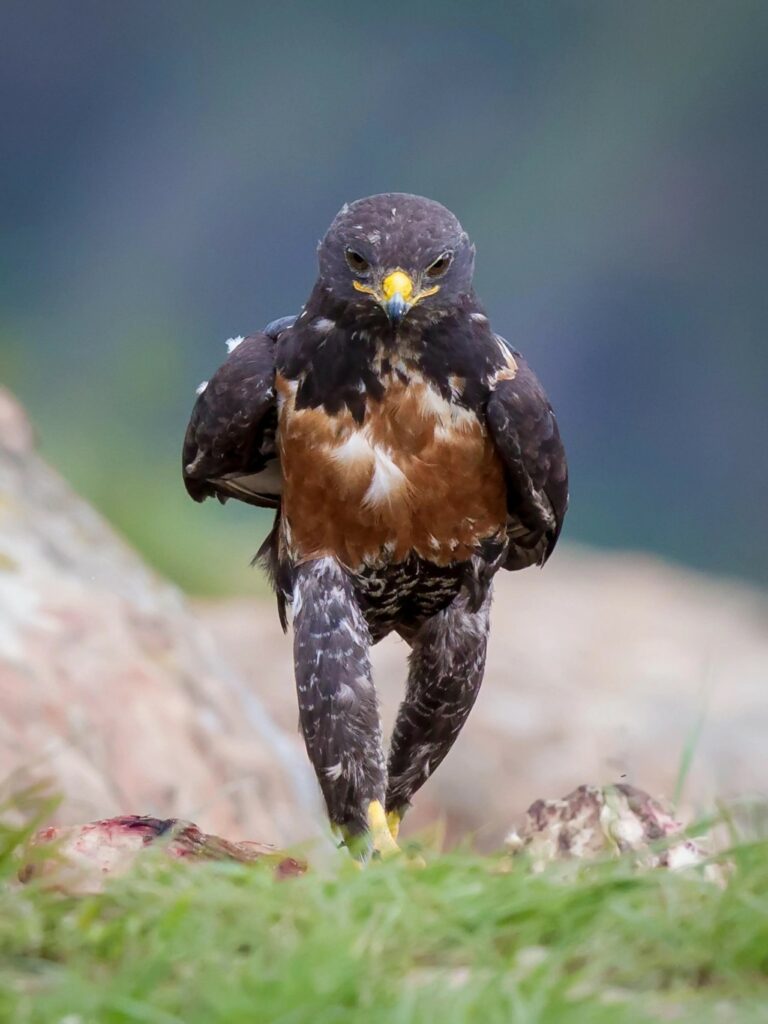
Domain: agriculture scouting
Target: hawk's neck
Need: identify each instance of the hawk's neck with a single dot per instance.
(340, 359)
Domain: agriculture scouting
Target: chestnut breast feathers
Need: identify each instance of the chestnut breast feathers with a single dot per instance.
(418, 474)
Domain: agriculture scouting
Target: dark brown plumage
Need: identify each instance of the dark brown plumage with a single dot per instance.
(410, 453)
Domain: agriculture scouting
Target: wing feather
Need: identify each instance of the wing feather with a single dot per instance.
(524, 430)
(229, 448)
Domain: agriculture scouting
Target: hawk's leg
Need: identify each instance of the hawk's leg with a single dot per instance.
(338, 709)
(446, 668)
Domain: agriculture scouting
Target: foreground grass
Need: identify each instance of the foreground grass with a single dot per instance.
(460, 940)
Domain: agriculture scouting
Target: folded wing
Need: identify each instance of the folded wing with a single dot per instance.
(524, 430)
(230, 448)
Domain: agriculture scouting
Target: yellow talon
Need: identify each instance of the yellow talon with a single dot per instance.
(378, 823)
(393, 821)
(379, 839)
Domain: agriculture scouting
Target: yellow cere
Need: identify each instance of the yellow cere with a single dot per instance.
(397, 283)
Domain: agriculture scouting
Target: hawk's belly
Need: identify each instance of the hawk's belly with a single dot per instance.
(420, 475)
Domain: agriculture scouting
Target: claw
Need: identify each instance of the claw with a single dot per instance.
(384, 844)
(393, 821)
(377, 840)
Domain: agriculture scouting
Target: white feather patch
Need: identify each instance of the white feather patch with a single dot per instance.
(450, 416)
(509, 370)
(232, 343)
(355, 449)
(201, 387)
(387, 482)
(433, 405)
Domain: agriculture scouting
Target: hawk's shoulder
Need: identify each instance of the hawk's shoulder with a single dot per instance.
(229, 447)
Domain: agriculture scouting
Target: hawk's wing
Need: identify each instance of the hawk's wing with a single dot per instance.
(524, 430)
(230, 448)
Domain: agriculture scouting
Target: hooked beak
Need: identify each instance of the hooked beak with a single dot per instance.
(396, 308)
(397, 292)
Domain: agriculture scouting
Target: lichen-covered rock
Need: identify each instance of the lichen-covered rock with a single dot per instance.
(85, 855)
(599, 821)
(110, 686)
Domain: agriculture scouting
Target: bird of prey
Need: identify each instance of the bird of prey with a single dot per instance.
(410, 453)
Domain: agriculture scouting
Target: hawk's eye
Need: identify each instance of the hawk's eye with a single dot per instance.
(357, 263)
(440, 265)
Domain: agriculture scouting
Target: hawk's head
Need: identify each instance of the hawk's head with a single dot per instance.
(397, 252)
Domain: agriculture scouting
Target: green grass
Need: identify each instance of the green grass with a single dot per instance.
(459, 940)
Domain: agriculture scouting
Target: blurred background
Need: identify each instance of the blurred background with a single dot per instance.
(168, 169)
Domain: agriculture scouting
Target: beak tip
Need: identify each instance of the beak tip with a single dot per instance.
(396, 308)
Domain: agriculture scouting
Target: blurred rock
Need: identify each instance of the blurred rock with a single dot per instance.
(83, 856)
(16, 433)
(110, 687)
(601, 821)
(601, 666)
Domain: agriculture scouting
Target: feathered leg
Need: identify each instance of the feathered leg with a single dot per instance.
(338, 709)
(445, 672)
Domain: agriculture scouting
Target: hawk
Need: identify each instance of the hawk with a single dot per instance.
(410, 453)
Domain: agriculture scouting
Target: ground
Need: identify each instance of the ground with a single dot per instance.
(464, 938)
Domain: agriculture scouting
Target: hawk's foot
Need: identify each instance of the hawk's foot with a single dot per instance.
(385, 825)
(375, 841)
(394, 818)
(382, 838)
